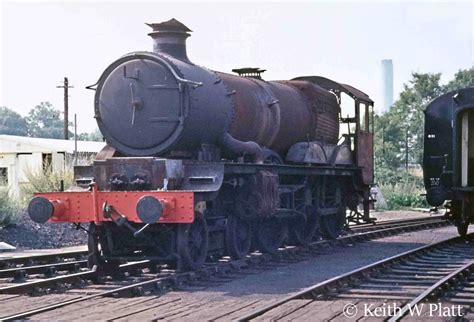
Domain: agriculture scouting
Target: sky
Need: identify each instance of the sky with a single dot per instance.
(42, 42)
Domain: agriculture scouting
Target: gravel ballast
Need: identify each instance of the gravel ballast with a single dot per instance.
(26, 234)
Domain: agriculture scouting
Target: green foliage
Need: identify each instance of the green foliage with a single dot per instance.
(45, 180)
(462, 79)
(8, 209)
(402, 190)
(402, 126)
(92, 136)
(44, 121)
(404, 194)
(12, 123)
(387, 175)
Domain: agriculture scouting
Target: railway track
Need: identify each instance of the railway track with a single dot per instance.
(45, 271)
(78, 257)
(142, 280)
(431, 282)
(391, 223)
(38, 259)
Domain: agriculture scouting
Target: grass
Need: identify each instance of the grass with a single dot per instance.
(45, 181)
(402, 190)
(9, 208)
(403, 195)
(48, 180)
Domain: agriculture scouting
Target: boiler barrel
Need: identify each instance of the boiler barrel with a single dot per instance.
(159, 103)
(279, 114)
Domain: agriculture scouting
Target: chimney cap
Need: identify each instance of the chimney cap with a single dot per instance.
(171, 25)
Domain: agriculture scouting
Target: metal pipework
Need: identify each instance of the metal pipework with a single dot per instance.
(149, 210)
(120, 220)
(241, 148)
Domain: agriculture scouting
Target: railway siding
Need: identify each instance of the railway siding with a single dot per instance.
(212, 278)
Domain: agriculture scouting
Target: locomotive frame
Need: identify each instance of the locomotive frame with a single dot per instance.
(182, 206)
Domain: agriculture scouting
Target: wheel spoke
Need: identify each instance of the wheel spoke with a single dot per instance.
(192, 243)
(238, 237)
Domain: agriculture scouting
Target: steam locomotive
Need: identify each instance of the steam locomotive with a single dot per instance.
(448, 160)
(200, 163)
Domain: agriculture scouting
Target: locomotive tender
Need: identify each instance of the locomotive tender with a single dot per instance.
(448, 160)
(200, 163)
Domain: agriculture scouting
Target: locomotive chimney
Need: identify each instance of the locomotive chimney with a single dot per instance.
(169, 38)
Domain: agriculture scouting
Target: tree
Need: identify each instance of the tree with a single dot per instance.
(44, 121)
(92, 136)
(403, 124)
(463, 78)
(12, 123)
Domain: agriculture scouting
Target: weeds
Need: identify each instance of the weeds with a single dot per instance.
(46, 180)
(405, 194)
(9, 209)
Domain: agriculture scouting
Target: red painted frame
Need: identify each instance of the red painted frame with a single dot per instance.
(86, 206)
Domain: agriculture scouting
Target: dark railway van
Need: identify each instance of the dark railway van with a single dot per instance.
(448, 162)
(201, 164)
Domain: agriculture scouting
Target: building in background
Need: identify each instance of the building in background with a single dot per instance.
(387, 85)
(19, 154)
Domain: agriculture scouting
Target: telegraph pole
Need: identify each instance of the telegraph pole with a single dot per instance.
(383, 141)
(66, 106)
(406, 149)
(75, 139)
